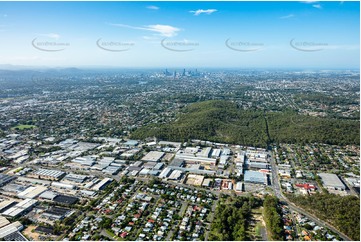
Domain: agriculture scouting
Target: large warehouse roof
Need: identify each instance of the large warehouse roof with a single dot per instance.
(154, 156)
(254, 176)
(10, 228)
(32, 192)
(331, 180)
(3, 221)
(50, 173)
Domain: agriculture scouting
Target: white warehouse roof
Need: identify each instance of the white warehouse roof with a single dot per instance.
(154, 156)
(331, 180)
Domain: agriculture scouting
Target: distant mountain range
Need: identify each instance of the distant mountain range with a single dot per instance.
(8, 67)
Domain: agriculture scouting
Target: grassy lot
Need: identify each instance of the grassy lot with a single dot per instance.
(23, 126)
(111, 234)
(256, 227)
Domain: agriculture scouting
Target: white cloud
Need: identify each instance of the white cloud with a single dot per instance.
(162, 30)
(153, 7)
(51, 35)
(317, 6)
(152, 39)
(313, 4)
(200, 11)
(149, 38)
(287, 16)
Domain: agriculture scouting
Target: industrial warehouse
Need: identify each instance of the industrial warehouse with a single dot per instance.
(331, 181)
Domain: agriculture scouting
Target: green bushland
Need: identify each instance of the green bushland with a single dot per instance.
(272, 217)
(232, 218)
(341, 211)
(225, 121)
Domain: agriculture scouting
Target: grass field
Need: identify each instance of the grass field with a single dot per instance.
(23, 126)
(111, 234)
(257, 230)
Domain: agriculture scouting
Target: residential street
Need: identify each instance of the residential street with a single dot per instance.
(292, 206)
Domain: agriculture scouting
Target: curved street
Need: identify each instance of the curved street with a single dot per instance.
(278, 192)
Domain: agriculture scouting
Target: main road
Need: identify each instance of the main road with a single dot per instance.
(278, 192)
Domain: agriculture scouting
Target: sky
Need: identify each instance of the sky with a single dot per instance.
(310, 34)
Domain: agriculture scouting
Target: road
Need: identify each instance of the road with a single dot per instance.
(278, 192)
(181, 214)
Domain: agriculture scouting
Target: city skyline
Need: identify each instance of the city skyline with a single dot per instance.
(310, 34)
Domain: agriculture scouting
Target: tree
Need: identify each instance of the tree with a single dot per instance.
(342, 211)
(105, 223)
(231, 218)
(273, 218)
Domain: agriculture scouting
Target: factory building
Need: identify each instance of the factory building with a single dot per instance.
(131, 143)
(255, 177)
(205, 152)
(48, 195)
(223, 161)
(75, 178)
(216, 153)
(56, 213)
(5, 179)
(193, 159)
(207, 182)
(144, 172)
(112, 170)
(331, 181)
(226, 151)
(102, 184)
(239, 186)
(165, 173)
(6, 204)
(175, 175)
(3, 221)
(257, 165)
(85, 161)
(32, 192)
(63, 185)
(153, 156)
(46, 174)
(19, 208)
(10, 229)
(149, 165)
(34, 181)
(158, 166)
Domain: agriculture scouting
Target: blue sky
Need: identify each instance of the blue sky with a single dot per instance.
(181, 34)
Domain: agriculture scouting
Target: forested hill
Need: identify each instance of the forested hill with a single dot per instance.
(224, 121)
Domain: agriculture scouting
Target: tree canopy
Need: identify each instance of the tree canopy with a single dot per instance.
(341, 211)
(225, 121)
(273, 218)
(231, 218)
